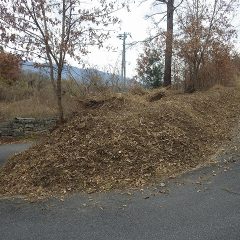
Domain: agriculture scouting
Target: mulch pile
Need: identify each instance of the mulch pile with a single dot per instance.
(124, 141)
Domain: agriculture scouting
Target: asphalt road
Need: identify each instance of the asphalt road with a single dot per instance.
(203, 204)
(7, 150)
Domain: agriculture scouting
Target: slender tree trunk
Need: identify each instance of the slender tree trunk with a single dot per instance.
(190, 84)
(51, 67)
(169, 43)
(59, 96)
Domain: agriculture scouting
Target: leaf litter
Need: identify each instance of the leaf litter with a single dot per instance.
(124, 141)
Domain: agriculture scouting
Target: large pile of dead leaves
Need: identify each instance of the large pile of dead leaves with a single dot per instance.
(125, 141)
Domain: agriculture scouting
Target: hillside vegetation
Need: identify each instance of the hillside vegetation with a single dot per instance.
(123, 141)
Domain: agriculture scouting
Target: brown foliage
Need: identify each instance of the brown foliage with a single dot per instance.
(10, 67)
(205, 43)
(220, 69)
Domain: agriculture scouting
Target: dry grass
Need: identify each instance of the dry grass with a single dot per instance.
(23, 101)
(40, 104)
(26, 108)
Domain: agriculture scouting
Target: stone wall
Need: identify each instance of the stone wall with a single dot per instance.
(18, 127)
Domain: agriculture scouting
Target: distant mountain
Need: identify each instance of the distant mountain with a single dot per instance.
(68, 72)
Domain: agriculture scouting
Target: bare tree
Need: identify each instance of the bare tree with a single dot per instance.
(55, 31)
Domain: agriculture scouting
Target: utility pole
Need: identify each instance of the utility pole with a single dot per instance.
(123, 37)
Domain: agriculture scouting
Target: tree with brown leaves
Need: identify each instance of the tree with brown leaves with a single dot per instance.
(55, 31)
(10, 67)
(150, 65)
(204, 41)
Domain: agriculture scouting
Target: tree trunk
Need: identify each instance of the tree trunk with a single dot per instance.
(169, 43)
(190, 84)
(59, 96)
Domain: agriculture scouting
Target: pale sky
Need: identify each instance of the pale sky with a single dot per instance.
(133, 22)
